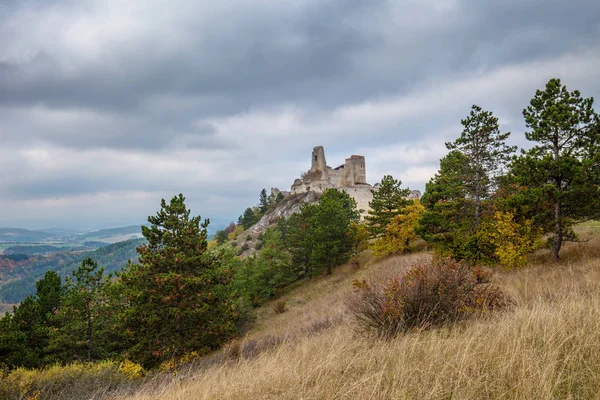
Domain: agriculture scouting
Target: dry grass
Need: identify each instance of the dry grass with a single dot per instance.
(546, 347)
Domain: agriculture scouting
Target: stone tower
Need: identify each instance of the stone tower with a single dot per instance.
(355, 172)
(318, 159)
(319, 164)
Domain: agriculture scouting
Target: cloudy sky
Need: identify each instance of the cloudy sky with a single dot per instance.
(107, 106)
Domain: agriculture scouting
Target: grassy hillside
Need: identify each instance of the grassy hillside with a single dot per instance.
(547, 346)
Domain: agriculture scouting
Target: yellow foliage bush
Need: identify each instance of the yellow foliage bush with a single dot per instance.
(400, 233)
(73, 381)
(174, 364)
(235, 233)
(131, 370)
(512, 240)
(360, 241)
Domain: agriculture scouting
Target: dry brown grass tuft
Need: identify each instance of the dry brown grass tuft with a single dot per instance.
(546, 347)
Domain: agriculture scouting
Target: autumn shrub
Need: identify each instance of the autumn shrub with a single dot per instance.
(131, 370)
(73, 381)
(430, 294)
(400, 233)
(513, 241)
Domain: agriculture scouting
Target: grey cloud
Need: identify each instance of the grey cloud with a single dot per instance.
(246, 88)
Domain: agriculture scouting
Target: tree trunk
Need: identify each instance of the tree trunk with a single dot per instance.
(89, 333)
(558, 229)
(558, 232)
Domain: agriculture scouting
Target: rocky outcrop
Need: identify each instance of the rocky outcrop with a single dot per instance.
(289, 205)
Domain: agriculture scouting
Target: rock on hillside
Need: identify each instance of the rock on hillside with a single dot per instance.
(248, 240)
(288, 206)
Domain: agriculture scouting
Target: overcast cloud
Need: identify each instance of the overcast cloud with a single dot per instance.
(106, 106)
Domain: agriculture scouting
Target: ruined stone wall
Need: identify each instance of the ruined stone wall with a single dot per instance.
(358, 167)
(336, 176)
(363, 197)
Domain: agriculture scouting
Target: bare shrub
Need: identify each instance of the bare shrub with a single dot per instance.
(430, 294)
(252, 348)
(280, 307)
(322, 325)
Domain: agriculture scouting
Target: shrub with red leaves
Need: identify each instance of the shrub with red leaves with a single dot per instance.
(430, 294)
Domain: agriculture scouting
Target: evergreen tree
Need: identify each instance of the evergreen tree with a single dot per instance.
(24, 334)
(221, 236)
(459, 198)
(49, 292)
(320, 236)
(180, 295)
(295, 234)
(449, 218)
(263, 201)
(486, 155)
(559, 174)
(260, 275)
(80, 318)
(330, 230)
(388, 201)
(249, 218)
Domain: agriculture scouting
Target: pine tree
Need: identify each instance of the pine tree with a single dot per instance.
(24, 334)
(560, 172)
(449, 218)
(79, 312)
(320, 237)
(263, 201)
(330, 230)
(180, 295)
(388, 201)
(49, 291)
(486, 156)
(249, 218)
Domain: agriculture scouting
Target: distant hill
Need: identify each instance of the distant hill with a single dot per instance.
(60, 233)
(21, 271)
(45, 249)
(16, 235)
(112, 235)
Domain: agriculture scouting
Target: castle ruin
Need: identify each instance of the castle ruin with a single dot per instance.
(352, 174)
(350, 177)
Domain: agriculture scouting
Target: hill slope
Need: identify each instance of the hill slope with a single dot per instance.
(15, 235)
(112, 235)
(545, 347)
(18, 283)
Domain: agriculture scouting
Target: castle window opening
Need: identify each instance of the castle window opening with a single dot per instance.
(315, 158)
